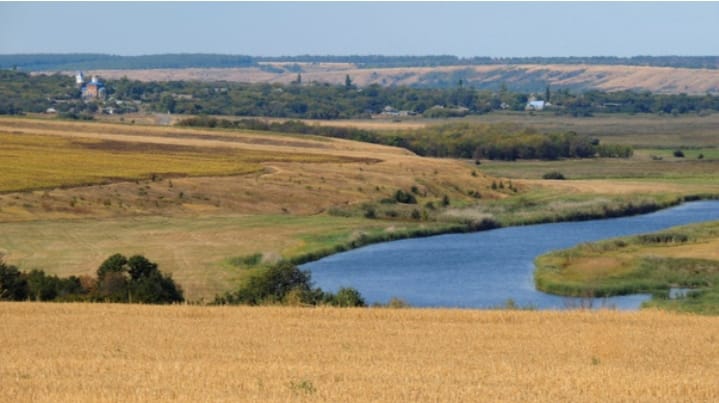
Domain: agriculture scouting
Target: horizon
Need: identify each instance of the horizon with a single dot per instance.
(477, 29)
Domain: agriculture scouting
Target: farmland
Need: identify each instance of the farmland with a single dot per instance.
(103, 352)
(608, 78)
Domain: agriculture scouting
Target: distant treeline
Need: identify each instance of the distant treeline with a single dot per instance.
(93, 61)
(21, 92)
(457, 140)
(86, 61)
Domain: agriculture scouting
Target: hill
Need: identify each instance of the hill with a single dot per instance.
(523, 78)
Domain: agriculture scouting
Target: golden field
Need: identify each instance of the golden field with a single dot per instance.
(607, 78)
(104, 352)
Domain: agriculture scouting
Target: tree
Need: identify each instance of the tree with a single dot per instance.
(115, 264)
(13, 285)
(348, 82)
(136, 279)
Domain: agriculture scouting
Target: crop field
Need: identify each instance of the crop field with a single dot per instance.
(608, 78)
(105, 352)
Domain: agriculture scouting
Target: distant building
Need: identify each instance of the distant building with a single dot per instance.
(79, 79)
(536, 105)
(94, 89)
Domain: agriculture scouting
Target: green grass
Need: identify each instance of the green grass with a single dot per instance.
(649, 263)
(206, 254)
(639, 167)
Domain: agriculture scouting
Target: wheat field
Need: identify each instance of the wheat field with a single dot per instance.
(104, 352)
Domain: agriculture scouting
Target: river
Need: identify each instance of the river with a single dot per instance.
(486, 269)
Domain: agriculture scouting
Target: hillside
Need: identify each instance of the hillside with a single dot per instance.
(134, 353)
(515, 77)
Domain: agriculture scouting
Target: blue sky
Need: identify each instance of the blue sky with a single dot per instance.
(400, 28)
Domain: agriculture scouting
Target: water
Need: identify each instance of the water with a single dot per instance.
(486, 269)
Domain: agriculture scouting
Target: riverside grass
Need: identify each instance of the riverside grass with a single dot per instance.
(683, 257)
(105, 352)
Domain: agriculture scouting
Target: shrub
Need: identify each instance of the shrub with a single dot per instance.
(348, 297)
(553, 175)
(404, 197)
(679, 153)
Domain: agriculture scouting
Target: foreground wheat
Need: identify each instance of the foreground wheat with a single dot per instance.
(70, 352)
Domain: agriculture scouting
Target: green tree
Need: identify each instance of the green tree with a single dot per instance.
(13, 285)
(136, 279)
(348, 297)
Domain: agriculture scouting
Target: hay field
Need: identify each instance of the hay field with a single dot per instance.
(608, 78)
(101, 352)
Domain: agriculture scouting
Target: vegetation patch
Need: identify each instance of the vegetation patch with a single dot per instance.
(648, 263)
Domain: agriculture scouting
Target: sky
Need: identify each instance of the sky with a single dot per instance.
(465, 29)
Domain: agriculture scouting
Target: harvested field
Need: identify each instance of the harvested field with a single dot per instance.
(608, 78)
(99, 352)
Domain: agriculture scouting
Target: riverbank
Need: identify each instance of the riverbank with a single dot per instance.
(485, 269)
(680, 257)
(602, 209)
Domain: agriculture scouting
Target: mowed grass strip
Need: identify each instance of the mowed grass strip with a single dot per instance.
(101, 352)
(29, 161)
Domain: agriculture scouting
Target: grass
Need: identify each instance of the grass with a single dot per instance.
(205, 255)
(101, 352)
(223, 203)
(683, 257)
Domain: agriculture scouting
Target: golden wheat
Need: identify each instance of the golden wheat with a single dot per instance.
(97, 352)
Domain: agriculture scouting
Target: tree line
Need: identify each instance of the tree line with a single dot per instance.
(118, 279)
(503, 141)
(136, 279)
(84, 61)
(22, 92)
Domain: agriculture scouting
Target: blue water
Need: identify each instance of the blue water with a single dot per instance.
(485, 269)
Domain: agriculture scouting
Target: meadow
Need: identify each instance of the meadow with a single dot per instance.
(101, 352)
(680, 257)
(197, 201)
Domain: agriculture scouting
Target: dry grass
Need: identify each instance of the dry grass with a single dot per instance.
(191, 225)
(194, 250)
(69, 352)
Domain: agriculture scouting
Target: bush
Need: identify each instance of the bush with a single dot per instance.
(404, 197)
(348, 297)
(679, 153)
(554, 175)
(285, 283)
(272, 285)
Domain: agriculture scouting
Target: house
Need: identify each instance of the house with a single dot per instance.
(535, 105)
(94, 89)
